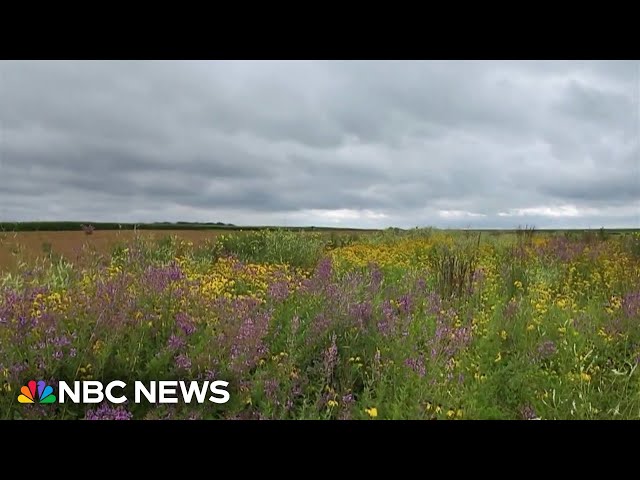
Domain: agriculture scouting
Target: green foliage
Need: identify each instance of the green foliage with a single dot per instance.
(275, 246)
(339, 240)
(59, 275)
(632, 243)
(12, 281)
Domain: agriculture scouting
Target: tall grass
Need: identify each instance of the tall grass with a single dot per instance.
(455, 266)
(275, 246)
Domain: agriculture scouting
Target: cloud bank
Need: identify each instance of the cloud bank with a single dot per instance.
(339, 143)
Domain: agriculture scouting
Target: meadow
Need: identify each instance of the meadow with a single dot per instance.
(417, 324)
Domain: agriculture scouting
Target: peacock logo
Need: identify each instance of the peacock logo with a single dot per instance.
(28, 393)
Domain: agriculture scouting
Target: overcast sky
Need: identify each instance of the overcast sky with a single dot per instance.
(352, 143)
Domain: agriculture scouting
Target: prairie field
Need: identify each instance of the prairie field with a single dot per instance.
(417, 324)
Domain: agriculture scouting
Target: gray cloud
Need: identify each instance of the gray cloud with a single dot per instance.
(358, 143)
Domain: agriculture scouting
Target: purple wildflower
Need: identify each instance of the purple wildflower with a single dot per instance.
(183, 361)
(435, 303)
(417, 365)
(348, 399)
(383, 327)
(320, 325)
(449, 340)
(175, 342)
(527, 412)
(362, 313)
(631, 304)
(376, 277)
(547, 349)
(158, 278)
(279, 290)
(106, 412)
(61, 341)
(271, 388)
(405, 303)
(185, 323)
(17, 368)
(296, 390)
(324, 269)
(388, 320)
(330, 357)
(248, 345)
(561, 249)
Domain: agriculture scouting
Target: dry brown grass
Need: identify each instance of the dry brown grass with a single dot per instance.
(27, 246)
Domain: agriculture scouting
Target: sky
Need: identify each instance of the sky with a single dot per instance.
(449, 144)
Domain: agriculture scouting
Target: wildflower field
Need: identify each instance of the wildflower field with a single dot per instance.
(420, 324)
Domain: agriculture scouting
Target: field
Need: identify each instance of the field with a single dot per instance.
(76, 247)
(419, 324)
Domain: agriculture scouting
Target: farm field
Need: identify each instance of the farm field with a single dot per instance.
(418, 324)
(76, 246)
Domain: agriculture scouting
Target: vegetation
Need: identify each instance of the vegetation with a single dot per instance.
(419, 324)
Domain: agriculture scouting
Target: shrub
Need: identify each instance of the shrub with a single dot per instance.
(88, 229)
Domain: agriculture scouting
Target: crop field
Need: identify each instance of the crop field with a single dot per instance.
(419, 324)
(76, 247)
